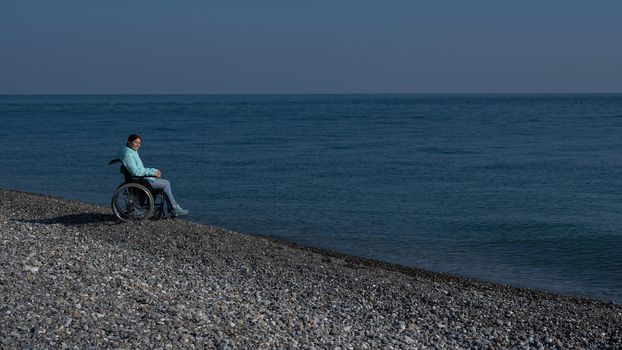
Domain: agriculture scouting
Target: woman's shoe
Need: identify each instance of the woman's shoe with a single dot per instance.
(179, 211)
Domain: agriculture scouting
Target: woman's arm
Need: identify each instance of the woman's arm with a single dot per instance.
(134, 165)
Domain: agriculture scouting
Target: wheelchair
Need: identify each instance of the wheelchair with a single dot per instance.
(136, 200)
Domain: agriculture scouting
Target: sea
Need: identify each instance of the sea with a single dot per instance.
(521, 189)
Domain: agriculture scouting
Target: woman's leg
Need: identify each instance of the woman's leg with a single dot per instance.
(165, 185)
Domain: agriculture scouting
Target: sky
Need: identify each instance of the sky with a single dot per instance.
(339, 46)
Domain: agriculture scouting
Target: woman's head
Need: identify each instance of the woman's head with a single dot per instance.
(133, 141)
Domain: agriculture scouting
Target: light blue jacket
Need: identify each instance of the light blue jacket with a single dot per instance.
(134, 165)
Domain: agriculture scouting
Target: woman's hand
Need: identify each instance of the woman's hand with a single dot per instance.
(158, 174)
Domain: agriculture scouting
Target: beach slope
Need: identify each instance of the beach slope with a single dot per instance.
(71, 276)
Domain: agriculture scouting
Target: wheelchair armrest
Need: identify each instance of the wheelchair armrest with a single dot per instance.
(140, 177)
(128, 177)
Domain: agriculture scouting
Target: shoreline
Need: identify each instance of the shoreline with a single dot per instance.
(242, 291)
(371, 262)
(441, 277)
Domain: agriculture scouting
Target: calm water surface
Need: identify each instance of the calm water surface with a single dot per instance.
(521, 189)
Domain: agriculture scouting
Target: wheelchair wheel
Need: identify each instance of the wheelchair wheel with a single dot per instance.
(132, 201)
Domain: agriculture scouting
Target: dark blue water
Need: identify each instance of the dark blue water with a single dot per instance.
(522, 189)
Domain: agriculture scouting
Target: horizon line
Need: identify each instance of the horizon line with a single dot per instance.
(311, 93)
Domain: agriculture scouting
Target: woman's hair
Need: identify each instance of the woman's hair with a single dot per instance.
(133, 137)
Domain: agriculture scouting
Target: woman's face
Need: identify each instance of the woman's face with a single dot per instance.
(135, 145)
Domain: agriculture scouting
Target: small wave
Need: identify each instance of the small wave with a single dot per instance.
(446, 151)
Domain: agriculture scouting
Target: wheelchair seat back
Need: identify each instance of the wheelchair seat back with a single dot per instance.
(127, 177)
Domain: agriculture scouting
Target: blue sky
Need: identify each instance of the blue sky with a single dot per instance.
(129, 47)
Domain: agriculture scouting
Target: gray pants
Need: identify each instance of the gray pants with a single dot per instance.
(161, 184)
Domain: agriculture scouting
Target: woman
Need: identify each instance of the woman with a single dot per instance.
(131, 160)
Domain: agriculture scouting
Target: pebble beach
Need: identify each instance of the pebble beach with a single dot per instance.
(73, 277)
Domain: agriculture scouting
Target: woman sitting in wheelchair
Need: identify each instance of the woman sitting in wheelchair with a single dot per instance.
(131, 160)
